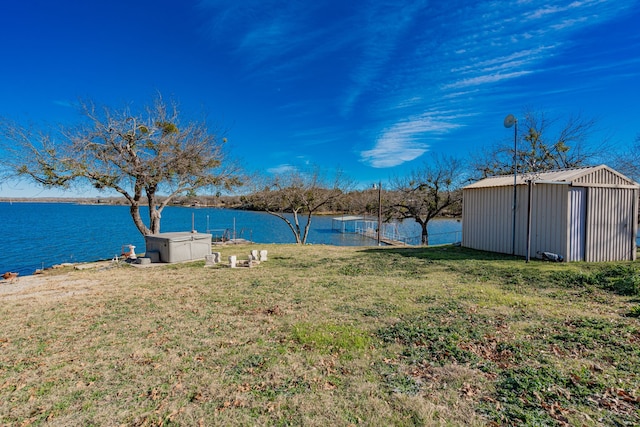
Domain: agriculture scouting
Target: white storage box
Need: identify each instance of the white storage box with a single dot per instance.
(178, 247)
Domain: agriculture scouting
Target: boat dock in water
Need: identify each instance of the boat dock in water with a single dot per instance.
(389, 234)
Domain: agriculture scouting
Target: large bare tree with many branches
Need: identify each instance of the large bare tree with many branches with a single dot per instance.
(426, 192)
(148, 156)
(543, 143)
(296, 195)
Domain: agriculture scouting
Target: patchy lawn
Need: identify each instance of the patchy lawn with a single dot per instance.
(322, 335)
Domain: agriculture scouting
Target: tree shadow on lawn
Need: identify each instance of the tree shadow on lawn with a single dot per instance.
(445, 253)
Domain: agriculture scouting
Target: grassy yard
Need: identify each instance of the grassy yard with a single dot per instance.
(321, 335)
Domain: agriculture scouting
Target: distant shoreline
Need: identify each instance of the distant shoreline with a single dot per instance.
(72, 200)
(87, 200)
(105, 201)
(121, 201)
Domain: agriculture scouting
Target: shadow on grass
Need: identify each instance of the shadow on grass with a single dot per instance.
(444, 253)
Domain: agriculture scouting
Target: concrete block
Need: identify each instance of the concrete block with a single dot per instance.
(209, 260)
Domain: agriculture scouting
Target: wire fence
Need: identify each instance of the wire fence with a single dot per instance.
(390, 234)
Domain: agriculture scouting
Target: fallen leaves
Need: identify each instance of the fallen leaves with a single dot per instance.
(469, 391)
(618, 400)
(228, 404)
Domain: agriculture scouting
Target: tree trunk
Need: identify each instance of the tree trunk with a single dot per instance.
(134, 210)
(306, 229)
(154, 214)
(297, 229)
(154, 219)
(425, 233)
(291, 226)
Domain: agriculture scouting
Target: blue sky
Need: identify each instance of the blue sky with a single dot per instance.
(370, 87)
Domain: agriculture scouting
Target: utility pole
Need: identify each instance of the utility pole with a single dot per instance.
(510, 121)
(379, 211)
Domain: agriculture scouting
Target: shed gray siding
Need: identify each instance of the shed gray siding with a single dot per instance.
(601, 177)
(582, 214)
(549, 218)
(487, 219)
(577, 224)
(611, 224)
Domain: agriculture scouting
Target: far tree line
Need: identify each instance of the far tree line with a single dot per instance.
(153, 158)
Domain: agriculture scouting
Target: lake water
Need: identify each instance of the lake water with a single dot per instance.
(39, 235)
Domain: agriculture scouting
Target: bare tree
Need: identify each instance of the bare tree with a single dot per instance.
(295, 195)
(139, 155)
(629, 162)
(360, 201)
(544, 144)
(426, 192)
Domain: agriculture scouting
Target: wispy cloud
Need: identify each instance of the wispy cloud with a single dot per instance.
(282, 169)
(390, 152)
(407, 71)
(405, 141)
(274, 32)
(551, 10)
(486, 46)
(485, 79)
(385, 26)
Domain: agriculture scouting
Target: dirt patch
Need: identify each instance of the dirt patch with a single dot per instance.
(44, 287)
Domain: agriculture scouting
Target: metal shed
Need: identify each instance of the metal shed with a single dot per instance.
(583, 214)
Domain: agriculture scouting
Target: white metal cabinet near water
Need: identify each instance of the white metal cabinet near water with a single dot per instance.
(178, 246)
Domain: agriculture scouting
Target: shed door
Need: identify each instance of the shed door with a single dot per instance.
(577, 223)
(610, 224)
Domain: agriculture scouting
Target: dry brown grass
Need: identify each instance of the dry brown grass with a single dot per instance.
(293, 341)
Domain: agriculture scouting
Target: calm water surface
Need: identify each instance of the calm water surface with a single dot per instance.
(39, 235)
